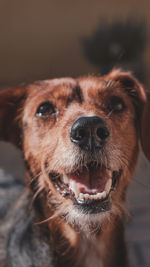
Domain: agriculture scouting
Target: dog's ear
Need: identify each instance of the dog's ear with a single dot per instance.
(11, 101)
(145, 128)
(141, 101)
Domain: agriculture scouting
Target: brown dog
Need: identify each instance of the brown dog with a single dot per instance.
(80, 140)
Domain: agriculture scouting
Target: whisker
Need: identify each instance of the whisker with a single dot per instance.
(38, 192)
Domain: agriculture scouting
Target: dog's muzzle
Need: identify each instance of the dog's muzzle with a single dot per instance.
(90, 184)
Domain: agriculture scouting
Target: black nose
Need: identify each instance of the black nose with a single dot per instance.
(89, 133)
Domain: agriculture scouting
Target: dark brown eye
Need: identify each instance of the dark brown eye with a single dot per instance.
(45, 110)
(116, 104)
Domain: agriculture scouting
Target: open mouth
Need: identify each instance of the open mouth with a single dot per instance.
(89, 186)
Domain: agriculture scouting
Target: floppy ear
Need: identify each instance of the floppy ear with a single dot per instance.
(141, 101)
(11, 101)
(145, 128)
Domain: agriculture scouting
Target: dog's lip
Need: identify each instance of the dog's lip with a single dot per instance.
(94, 206)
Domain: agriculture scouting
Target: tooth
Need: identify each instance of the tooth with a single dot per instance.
(86, 196)
(108, 185)
(94, 196)
(81, 196)
(101, 195)
(65, 179)
(74, 188)
(104, 194)
(97, 196)
(109, 172)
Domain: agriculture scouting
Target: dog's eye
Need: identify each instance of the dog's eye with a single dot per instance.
(116, 104)
(45, 110)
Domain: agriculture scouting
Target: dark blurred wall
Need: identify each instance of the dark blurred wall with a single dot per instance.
(41, 39)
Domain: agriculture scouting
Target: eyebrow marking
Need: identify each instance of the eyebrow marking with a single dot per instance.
(79, 93)
(75, 96)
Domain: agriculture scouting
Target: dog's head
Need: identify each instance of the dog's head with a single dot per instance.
(80, 140)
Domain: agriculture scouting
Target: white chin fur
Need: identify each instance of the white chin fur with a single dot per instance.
(85, 221)
(89, 224)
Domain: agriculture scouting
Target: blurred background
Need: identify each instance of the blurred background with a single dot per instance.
(42, 39)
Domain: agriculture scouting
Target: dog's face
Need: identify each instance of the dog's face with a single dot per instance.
(81, 142)
(81, 137)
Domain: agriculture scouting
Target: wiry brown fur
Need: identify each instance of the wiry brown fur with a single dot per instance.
(75, 238)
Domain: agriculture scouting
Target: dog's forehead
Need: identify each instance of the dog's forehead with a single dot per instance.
(67, 84)
(60, 81)
(88, 82)
(91, 85)
(48, 86)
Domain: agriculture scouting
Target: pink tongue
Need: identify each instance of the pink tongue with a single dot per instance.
(91, 180)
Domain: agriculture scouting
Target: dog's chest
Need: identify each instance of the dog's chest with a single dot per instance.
(91, 254)
(93, 260)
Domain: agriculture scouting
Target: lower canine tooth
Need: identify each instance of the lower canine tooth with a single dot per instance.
(65, 178)
(74, 188)
(102, 195)
(108, 185)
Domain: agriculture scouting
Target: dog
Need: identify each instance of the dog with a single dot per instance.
(80, 140)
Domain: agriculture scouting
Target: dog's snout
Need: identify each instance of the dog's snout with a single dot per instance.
(89, 132)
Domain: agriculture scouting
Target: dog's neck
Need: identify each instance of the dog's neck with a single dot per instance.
(75, 248)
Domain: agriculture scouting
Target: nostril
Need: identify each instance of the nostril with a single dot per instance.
(102, 133)
(79, 134)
